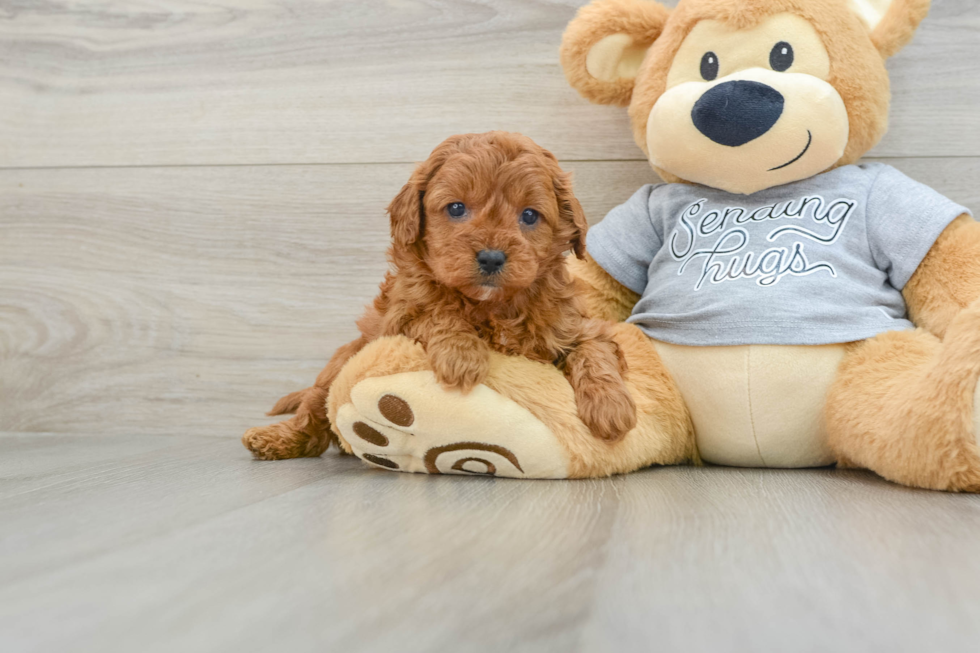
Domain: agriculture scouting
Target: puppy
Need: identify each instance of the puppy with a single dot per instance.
(479, 238)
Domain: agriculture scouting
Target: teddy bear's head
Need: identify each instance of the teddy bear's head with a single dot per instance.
(743, 95)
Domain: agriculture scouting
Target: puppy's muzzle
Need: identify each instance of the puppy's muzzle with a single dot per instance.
(491, 261)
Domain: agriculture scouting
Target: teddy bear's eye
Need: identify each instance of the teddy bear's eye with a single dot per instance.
(781, 57)
(709, 66)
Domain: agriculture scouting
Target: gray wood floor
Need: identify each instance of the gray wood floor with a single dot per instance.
(182, 543)
(191, 217)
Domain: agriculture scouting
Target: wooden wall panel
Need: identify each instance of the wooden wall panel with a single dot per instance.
(186, 300)
(181, 82)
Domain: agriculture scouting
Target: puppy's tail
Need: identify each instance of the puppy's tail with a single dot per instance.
(288, 404)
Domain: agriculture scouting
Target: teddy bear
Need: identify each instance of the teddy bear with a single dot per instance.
(778, 304)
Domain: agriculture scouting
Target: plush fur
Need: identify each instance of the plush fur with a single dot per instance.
(898, 25)
(947, 280)
(437, 294)
(604, 297)
(642, 21)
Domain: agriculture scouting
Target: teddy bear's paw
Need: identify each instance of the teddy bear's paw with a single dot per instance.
(408, 422)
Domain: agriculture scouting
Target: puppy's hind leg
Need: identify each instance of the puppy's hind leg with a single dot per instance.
(307, 433)
(304, 435)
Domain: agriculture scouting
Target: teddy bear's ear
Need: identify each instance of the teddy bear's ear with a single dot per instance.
(892, 22)
(605, 44)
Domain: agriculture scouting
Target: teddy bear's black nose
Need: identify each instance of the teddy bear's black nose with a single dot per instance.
(735, 113)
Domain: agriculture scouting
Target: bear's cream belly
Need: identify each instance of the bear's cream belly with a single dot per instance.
(757, 405)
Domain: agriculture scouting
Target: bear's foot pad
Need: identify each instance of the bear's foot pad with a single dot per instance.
(409, 423)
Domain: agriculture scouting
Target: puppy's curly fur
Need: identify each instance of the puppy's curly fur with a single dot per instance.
(439, 294)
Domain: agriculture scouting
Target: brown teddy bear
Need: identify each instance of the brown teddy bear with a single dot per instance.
(785, 307)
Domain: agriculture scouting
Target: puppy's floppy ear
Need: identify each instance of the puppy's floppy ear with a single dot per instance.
(407, 211)
(604, 45)
(571, 213)
(892, 23)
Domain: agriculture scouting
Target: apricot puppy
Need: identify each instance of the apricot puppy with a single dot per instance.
(479, 236)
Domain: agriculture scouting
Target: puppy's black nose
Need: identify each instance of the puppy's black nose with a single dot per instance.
(735, 113)
(491, 260)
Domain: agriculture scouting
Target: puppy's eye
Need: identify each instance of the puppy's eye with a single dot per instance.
(456, 209)
(709, 66)
(530, 217)
(781, 57)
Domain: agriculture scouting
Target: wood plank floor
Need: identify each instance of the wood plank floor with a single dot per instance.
(176, 543)
(192, 200)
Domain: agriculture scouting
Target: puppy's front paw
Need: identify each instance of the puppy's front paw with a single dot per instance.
(461, 366)
(609, 411)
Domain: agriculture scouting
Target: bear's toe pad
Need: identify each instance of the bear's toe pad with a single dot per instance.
(402, 423)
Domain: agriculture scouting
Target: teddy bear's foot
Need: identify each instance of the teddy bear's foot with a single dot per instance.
(907, 406)
(387, 408)
(407, 422)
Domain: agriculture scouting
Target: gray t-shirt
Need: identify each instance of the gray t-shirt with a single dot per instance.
(815, 262)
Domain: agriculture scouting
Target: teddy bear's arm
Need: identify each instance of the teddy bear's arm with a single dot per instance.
(948, 279)
(604, 297)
